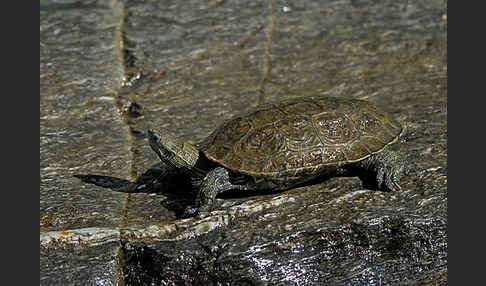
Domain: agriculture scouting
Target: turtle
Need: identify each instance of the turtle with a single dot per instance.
(286, 144)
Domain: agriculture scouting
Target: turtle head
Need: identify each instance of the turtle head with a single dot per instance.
(172, 150)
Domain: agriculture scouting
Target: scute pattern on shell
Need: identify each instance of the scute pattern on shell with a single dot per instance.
(301, 136)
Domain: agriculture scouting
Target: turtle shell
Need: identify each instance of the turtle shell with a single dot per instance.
(301, 136)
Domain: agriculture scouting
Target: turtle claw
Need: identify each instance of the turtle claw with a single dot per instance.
(194, 212)
(190, 212)
(392, 179)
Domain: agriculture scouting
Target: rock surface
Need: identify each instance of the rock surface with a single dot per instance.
(110, 69)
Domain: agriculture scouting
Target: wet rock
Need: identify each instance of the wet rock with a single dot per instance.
(93, 265)
(108, 213)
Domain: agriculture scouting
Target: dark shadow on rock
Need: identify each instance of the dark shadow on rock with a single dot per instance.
(116, 184)
(175, 186)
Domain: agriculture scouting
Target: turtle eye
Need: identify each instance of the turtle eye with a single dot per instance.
(153, 136)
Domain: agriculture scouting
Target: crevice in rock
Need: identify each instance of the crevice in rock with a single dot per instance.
(268, 43)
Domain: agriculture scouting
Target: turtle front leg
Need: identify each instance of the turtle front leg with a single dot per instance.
(216, 181)
(383, 169)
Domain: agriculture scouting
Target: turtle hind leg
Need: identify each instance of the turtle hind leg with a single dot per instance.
(382, 170)
(215, 182)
